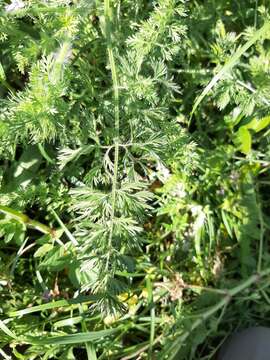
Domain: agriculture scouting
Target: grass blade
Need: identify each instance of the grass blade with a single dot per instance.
(70, 338)
(152, 316)
(6, 330)
(5, 356)
(53, 305)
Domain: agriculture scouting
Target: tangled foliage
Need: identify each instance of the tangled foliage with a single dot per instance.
(134, 174)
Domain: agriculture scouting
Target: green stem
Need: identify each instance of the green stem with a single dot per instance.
(16, 215)
(149, 287)
(260, 256)
(65, 229)
(45, 154)
(108, 34)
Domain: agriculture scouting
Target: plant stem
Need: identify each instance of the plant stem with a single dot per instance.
(176, 345)
(65, 229)
(16, 215)
(149, 287)
(108, 33)
(262, 230)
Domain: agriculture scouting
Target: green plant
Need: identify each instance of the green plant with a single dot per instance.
(134, 175)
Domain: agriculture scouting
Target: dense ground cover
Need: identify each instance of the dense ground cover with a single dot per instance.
(134, 174)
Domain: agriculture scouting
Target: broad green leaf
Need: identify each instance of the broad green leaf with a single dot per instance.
(243, 140)
(68, 322)
(12, 230)
(226, 222)
(258, 124)
(22, 173)
(91, 351)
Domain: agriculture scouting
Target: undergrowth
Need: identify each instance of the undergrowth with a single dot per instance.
(134, 172)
